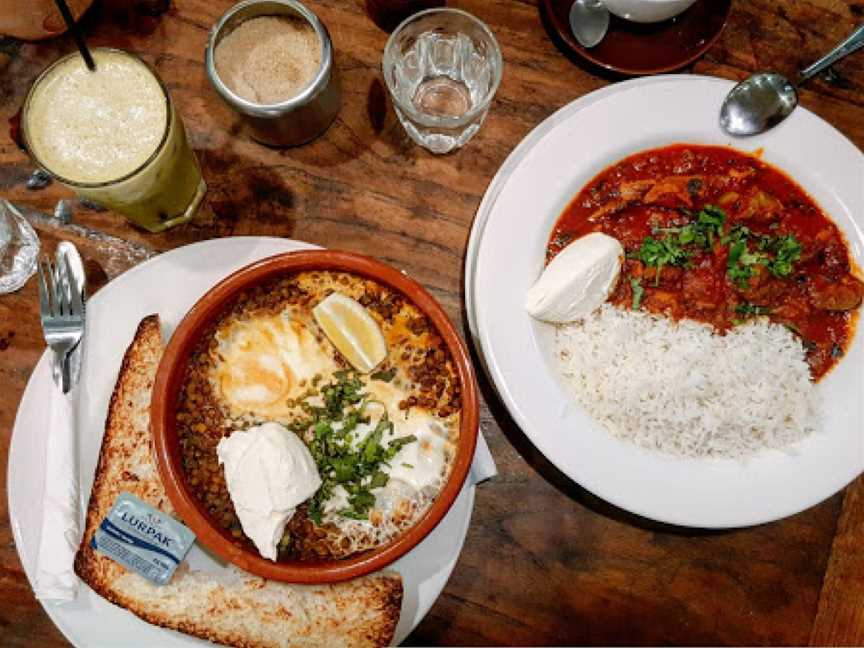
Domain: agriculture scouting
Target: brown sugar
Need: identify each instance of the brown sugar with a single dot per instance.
(268, 59)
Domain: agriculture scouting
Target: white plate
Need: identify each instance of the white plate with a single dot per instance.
(517, 350)
(168, 284)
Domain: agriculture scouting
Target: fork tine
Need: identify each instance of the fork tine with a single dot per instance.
(58, 289)
(76, 302)
(65, 290)
(52, 286)
(44, 294)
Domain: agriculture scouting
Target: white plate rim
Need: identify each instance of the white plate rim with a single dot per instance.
(428, 591)
(500, 380)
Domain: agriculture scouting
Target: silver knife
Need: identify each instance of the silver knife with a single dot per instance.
(71, 363)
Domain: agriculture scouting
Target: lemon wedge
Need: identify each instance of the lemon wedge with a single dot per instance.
(352, 330)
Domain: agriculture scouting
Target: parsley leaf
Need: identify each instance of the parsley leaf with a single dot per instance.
(736, 234)
(661, 252)
(362, 501)
(787, 250)
(676, 247)
(638, 293)
(396, 445)
(379, 479)
(384, 376)
(710, 222)
(329, 430)
(701, 232)
(754, 310)
(343, 468)
(739, 271)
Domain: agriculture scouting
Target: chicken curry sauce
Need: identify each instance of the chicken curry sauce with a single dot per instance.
(720, 237)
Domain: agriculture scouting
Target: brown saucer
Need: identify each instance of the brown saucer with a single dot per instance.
(636, 49)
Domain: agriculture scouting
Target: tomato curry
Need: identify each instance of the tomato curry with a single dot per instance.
(719, 236)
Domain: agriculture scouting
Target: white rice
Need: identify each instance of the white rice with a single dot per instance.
(683, 389)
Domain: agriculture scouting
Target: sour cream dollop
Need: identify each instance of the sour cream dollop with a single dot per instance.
(578, 280)
(269, 472)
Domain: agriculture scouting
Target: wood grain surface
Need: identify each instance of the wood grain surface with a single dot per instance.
(545, 561)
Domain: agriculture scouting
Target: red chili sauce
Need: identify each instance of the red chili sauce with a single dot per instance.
(789, 262)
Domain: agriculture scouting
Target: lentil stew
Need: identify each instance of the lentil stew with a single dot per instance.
(418, 367)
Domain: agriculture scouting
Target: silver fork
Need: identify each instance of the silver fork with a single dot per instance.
(62, 311)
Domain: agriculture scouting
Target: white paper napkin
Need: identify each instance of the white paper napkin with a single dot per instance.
(55, 578)
(483, 467)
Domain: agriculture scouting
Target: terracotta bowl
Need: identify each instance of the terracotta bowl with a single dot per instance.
(170, 375)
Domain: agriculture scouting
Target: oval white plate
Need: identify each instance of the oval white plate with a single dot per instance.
(517, 350)
(168, 284)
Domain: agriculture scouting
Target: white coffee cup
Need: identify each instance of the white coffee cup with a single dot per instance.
(647, 11)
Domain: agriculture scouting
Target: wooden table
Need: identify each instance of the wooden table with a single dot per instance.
(545, 561)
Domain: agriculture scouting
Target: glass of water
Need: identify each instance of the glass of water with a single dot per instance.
(442, 68)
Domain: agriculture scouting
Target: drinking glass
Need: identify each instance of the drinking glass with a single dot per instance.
(19, 247)
(165, 190)
(442, 68)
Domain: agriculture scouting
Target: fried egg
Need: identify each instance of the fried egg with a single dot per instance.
(420, 464)
(267, 360)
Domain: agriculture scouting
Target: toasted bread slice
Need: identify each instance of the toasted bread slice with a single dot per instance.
(233, 608)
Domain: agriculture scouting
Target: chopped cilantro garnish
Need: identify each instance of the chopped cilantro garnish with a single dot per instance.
(676, 246)
(343, 468)
(362, 501)
(787, 250)
(662, 252)
(385, 376)
(752, 310)
(638, 292)
(379, 479)
(738, 271)
(702, 231)
(710, 222)
(330, 429)
(777, 253)
(736, 234)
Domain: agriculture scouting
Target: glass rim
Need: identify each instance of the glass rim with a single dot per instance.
(443, 120)
(105, 183)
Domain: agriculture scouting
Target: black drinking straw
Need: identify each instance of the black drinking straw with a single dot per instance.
(76, 34)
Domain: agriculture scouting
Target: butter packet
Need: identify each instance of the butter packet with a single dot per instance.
(143, 539)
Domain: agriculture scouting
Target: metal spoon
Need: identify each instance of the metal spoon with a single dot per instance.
(765, 99)
(589, 21)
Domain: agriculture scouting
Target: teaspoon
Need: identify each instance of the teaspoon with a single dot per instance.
(589, 21)
(765, 99)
